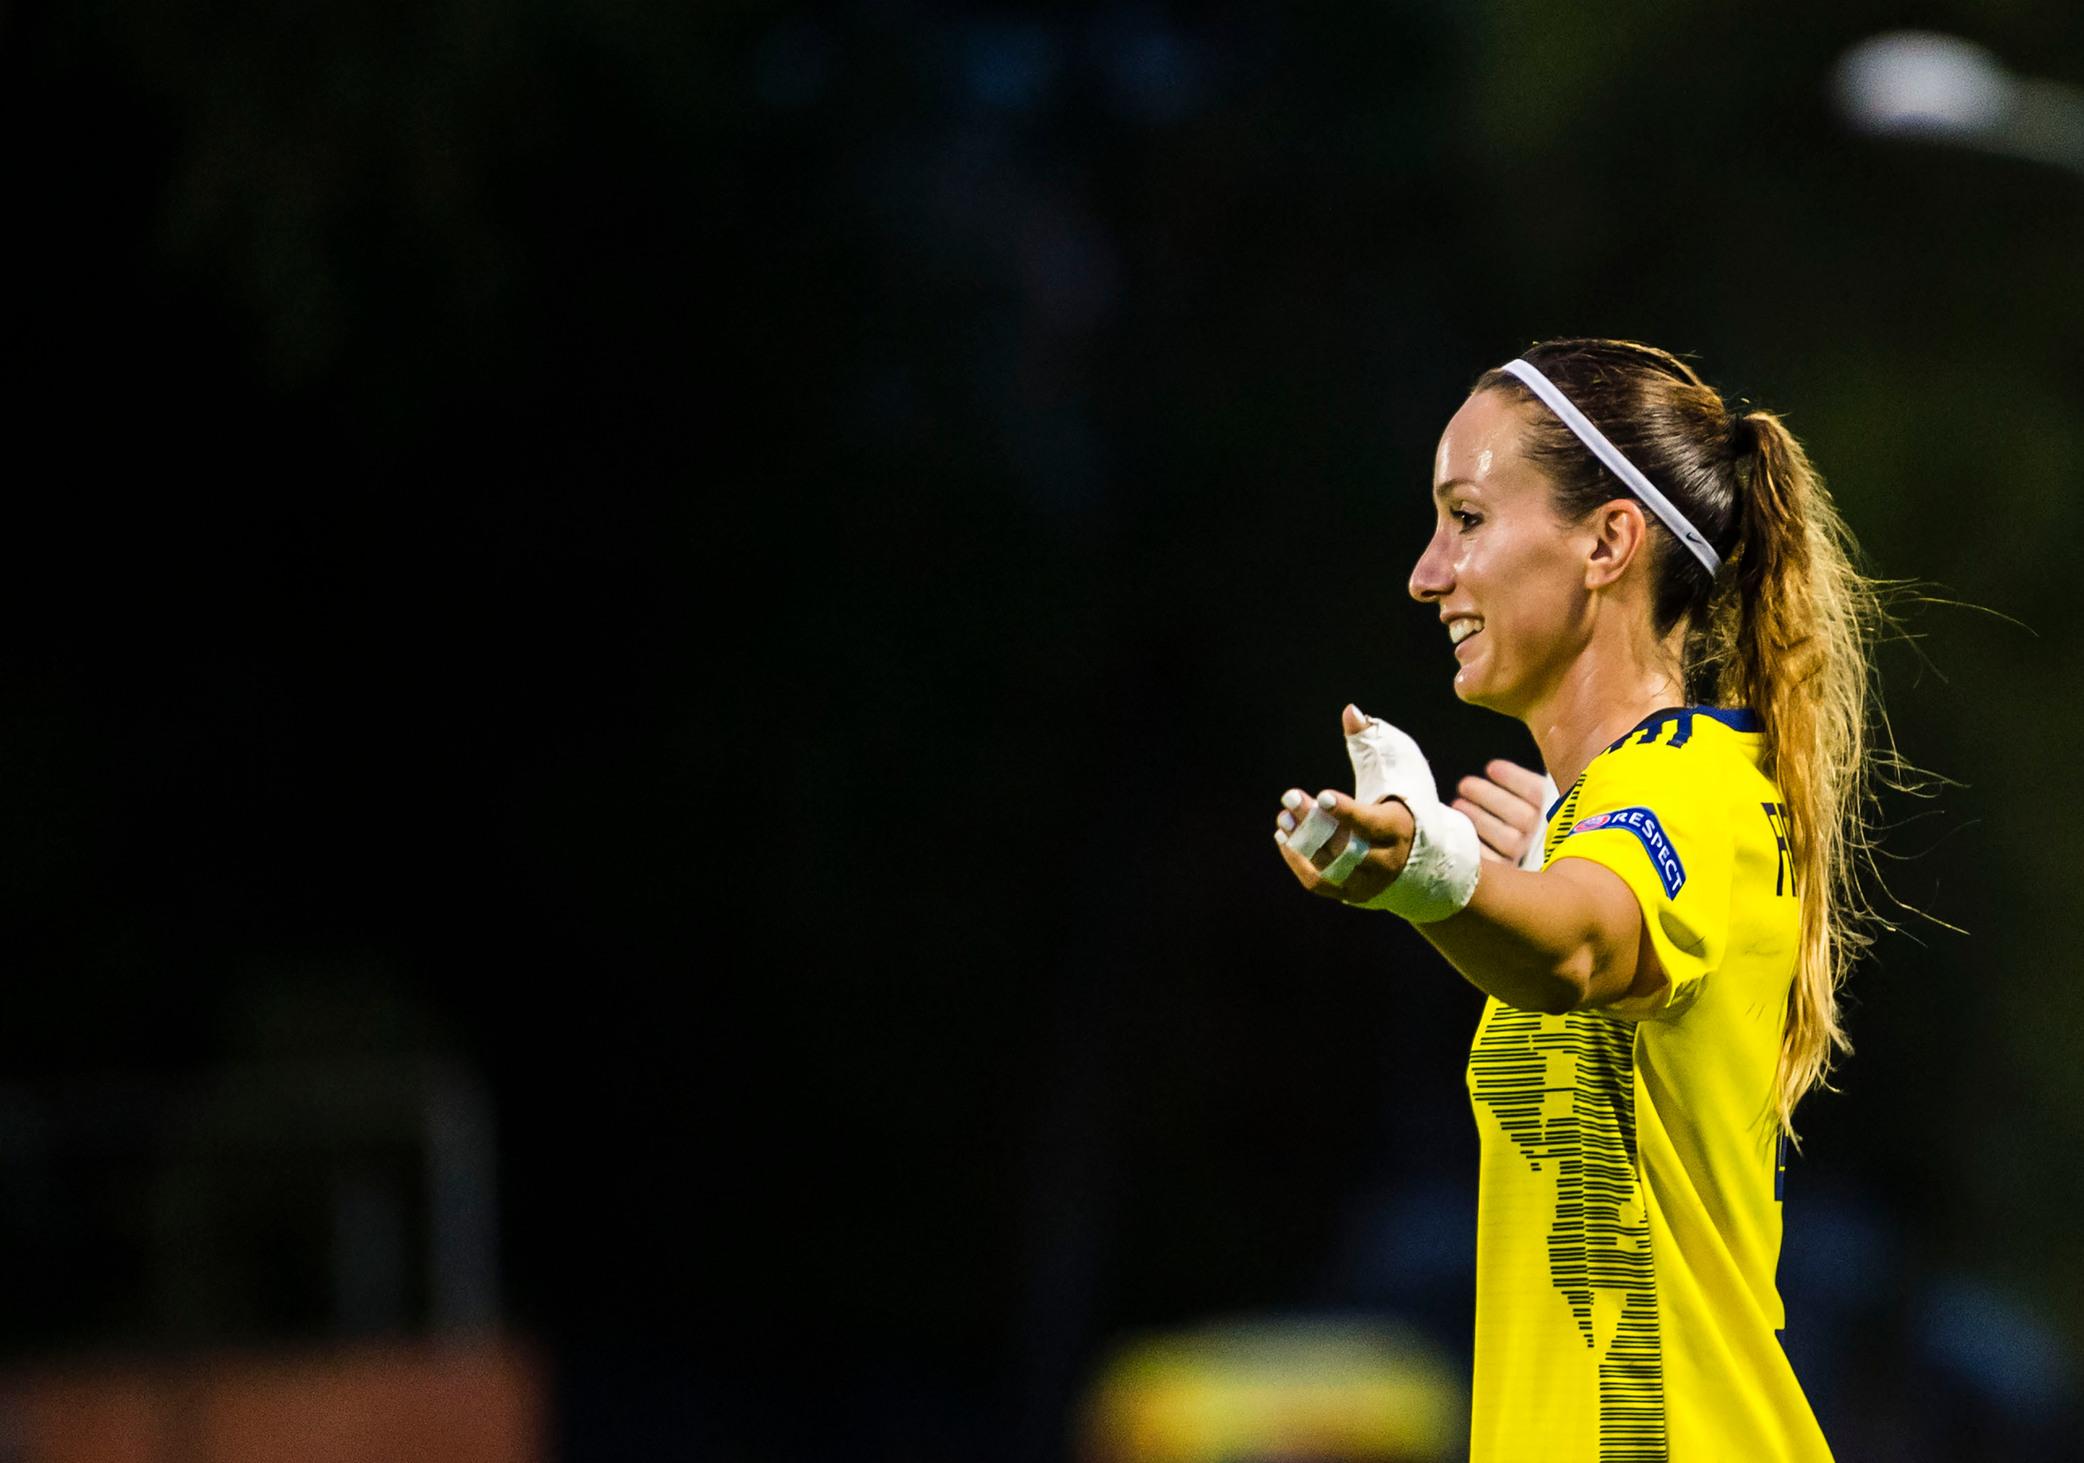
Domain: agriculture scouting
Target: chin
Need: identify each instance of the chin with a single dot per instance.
(1474, 691)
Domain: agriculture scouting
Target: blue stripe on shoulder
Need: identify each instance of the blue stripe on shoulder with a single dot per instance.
(1736, 718)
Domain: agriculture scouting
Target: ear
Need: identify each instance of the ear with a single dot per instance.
(1619, 534)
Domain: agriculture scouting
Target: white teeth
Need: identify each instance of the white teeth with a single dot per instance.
(1460, 630)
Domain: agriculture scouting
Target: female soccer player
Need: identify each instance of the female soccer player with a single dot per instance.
(1660, 588)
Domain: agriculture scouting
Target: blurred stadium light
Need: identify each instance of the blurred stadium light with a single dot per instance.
(1925, 84)
(1334, 1391)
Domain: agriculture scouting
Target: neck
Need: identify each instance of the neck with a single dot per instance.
(1594, 704)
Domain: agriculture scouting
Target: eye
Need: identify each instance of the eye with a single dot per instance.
(1464, 517)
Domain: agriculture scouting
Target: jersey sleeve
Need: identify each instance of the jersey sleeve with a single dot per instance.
(1655, 815)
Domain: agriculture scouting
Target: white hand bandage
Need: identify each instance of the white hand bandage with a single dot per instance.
(1440, 875)
(1340, 869)
(1313, 832)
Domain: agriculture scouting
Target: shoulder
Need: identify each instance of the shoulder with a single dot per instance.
(1676, 785)
(1695, 727)
(1695, 758)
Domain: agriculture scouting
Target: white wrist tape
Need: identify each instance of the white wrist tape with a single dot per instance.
(1446, 856)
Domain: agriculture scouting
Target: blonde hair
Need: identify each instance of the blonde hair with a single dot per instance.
(1792, 637)
(1787, 629)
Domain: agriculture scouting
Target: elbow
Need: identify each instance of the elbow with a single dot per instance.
(1550, 993)
(1568, 986)
(1562, 1001)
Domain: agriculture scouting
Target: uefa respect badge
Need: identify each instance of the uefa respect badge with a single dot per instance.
(1650, 833)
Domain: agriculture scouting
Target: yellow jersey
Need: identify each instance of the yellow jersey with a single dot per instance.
(1628, 1214)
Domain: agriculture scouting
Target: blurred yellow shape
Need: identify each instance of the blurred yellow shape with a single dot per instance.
(1323, 1390)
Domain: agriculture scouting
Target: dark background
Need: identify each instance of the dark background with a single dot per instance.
(749, 578)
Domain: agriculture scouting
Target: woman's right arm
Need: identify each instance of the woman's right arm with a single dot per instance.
(1568, 937)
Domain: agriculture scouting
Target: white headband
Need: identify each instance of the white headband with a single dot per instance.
(1621, 467)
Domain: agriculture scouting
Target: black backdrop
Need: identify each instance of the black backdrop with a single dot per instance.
(753, 577)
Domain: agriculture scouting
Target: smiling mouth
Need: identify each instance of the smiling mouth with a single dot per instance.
(1459, 631)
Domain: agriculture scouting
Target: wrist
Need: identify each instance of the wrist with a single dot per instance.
(1438, 861)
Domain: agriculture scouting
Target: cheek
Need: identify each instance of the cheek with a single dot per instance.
(1531, 590)
(1476, 560)
(1492, 567)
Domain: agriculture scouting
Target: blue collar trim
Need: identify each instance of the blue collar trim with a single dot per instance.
(1736, 718)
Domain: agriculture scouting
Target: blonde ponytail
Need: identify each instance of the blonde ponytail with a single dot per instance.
(1792, 636)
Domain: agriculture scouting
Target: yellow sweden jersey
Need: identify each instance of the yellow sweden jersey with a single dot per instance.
(1628, 1220)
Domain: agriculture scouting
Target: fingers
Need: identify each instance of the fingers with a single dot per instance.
(1299, 831)
(1297, 811)
(1506, 840)
(1302, 825)
(1304, 871)
(1290, 817)
(1508, 807)
(1518, 780)
(1314, 829)
(1505, 822)
(1353, 720)
(1385, 831)
(1341, 836)
(1296, 805)
(1500, 802)
(1376, 822)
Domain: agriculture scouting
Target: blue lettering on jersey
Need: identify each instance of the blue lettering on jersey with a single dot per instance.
(1644, 825)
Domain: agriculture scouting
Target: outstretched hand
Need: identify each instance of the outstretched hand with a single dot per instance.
(1507, 805)
(1386, 827)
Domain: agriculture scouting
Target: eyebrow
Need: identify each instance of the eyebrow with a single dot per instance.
(1440, 489)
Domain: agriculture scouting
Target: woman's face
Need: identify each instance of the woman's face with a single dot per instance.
(1507, 577)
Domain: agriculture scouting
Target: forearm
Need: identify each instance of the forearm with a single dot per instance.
(1539, 942)
(1565, 937)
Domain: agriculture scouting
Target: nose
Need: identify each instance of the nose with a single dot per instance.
(1433, 575)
